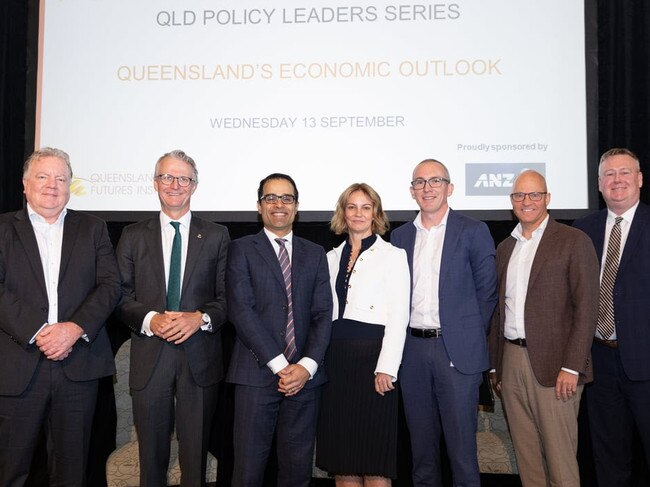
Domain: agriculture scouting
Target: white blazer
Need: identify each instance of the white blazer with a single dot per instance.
(379, 293)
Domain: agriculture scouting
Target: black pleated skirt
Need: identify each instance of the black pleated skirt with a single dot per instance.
(357, 428)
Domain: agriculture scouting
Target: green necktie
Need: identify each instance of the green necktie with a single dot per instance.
(174, 283)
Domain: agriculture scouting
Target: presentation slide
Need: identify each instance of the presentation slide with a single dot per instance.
(331, 93)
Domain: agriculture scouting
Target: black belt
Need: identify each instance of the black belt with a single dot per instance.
(517, 341)
(425, 332)
(607, 343)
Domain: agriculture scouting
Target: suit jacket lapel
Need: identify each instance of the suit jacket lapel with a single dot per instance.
(452, 234)
(27, 238)
(639, 224)
(544, 248)
(298, 259)
(409, 245)
(599, 237)
(195, 241)
(153, 244)
(502, 269)
(70, 232)
(267, 252)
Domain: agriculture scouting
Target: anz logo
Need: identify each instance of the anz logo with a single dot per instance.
(495, 178)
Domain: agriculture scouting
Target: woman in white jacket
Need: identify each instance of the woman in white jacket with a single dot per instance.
(357, 433)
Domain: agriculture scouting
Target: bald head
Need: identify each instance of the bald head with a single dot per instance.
(530, 175)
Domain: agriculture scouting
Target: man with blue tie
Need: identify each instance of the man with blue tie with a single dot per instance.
(453, 296)
(618, 401)
(173, 283)
(280, 303)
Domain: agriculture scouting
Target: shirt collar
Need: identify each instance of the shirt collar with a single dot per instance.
(537, 233)
(272, 236)
(418, 221)
(628, 216)
(165, 220)
(36, 218)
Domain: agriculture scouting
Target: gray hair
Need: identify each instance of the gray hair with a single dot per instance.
(180, 156)
(47, 152)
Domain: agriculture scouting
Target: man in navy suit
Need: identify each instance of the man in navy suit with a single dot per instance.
(58, 284)
(280, 302)
(176, 362)
(619, 399)
(453, 296)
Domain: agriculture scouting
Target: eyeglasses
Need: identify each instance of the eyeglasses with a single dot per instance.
(168, 179)
(534, 196)
(287, 199)
(434, 182)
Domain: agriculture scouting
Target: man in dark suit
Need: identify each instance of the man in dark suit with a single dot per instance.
(280, 303)
(453, 276)
(58, 284)
(619, 399)
(541, 334)
(173, 272)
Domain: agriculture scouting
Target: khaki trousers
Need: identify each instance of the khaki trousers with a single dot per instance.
(544, 429)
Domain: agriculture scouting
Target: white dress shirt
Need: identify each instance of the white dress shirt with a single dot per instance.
(521, 261)
(427, 256)
(278, 363)
(167, 233)
(49, 237)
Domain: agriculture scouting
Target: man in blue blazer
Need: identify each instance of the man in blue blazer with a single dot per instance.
(176, 361)
(280, 302)
(453, 277)
(58, 284)
(619, 399)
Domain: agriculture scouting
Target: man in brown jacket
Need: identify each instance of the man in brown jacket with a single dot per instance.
(541, 334)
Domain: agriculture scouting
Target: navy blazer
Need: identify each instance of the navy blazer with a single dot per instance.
(467, 288)
(140, 259)
(88, 289)
(631, 290)
(257, 307)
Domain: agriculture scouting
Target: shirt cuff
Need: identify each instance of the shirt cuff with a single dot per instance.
(146, 324)
(570, 371)
(36, 334)
(310, 365)
(277, 364)
(207, 325)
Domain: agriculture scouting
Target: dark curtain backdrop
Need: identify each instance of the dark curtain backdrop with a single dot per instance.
(623, 52)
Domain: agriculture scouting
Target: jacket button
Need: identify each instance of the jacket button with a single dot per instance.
(372, 307)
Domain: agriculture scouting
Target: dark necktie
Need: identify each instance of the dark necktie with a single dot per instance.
(606, 301)
(174, 283)
(285, 265)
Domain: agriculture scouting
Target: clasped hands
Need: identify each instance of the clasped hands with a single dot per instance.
(55, 341)
(292, 379)
(176, 326)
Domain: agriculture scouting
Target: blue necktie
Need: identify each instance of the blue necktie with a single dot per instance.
(174, 283)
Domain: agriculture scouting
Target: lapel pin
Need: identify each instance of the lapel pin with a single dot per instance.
(199, 236)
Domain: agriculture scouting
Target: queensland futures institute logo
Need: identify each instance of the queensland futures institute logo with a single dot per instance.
(112, 184)
(77, 187)
(496, 179)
